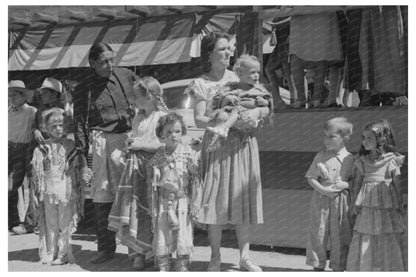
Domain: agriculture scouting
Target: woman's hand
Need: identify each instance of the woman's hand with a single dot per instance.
(38, 137)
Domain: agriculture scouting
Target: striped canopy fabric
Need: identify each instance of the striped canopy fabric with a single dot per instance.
(156, 40)
(43, 42)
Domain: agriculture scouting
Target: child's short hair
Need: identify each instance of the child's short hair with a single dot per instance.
(242, 62)
(170, 118)
(340, 125)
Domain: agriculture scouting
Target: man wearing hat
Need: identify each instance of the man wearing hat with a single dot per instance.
(21, 120)
(50, 93)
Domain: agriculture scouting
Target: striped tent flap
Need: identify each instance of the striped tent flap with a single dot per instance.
(157, 40)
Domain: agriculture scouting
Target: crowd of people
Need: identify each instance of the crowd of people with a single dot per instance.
(325, 53)
(150, 190)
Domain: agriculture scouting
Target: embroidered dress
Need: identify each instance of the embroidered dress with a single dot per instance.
(55, 176)
(130, 215)
(230, 192)
(173, 178)
(378, 229)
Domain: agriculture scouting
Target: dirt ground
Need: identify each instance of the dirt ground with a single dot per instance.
(23, 255)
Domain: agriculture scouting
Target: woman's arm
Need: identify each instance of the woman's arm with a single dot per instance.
(201, 120)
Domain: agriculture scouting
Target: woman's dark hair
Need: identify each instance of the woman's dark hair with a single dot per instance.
(170, 118)
(97, 49)
(380, 129)
(207, 46)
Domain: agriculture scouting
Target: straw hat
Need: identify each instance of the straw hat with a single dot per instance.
(51, 83)
(18, 85)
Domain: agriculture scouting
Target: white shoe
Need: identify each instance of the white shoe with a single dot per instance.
(247, 265)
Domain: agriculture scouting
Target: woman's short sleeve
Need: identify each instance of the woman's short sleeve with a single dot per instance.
(197, 91)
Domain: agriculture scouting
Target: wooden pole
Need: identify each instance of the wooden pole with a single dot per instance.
(258, 34)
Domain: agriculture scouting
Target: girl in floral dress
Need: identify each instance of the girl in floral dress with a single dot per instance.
(378, 231)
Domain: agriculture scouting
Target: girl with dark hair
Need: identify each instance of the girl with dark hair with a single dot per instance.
(102, 115)
(230, 193)
(377, 235)
(173, 175)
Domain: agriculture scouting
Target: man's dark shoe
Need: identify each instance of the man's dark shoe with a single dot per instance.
(102, 257)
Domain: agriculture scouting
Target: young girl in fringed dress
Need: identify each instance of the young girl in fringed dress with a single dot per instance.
(172, 178)
(129, 216)
(57, 193)
(378, 231)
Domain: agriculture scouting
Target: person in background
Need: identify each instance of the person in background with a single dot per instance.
(279, 59)
(331, 176)
(314, 43)
(50, 93)
(103, 114)
(21, 120)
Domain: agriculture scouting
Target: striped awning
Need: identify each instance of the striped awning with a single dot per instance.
(63, 41)
(158, 40)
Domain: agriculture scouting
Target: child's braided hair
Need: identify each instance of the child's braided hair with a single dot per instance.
(149, 85)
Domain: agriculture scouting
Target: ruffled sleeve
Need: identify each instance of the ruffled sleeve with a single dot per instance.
(197, 91)
(395, 164)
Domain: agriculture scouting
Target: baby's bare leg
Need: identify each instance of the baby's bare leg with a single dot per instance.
(232, 118)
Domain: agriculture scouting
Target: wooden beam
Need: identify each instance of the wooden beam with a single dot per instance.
(107, 13)
(43, 17)
(78, 15)
(258, 35)
(19, 20)
(177, 9)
